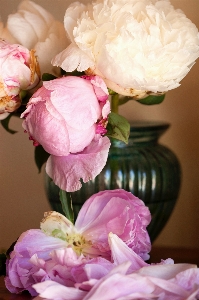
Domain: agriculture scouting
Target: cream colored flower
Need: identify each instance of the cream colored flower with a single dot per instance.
(35, 28)
(138, 47)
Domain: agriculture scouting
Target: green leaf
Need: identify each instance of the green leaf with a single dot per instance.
(47, 77)
(3, 264)
(66, 201)
(123, 100)
(41, 157)
(118, 127)
(5, 124)
(152, 99)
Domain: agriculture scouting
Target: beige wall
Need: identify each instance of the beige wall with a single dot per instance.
(22, 196)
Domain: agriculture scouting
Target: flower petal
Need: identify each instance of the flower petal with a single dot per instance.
(164, 271)
(54, 291)
(56, 225)
(72, 58)
(116, 285)
(66, 171)
(120, 253)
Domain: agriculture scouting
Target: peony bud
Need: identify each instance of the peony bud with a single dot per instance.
(19, 71)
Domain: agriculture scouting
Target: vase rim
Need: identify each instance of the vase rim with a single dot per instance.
(143, 125)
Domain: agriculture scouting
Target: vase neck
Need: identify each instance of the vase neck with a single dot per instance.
(143, 132)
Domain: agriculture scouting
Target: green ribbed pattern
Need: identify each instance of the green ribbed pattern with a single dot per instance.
(144, 167)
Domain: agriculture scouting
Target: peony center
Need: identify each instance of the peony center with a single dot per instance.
(77, 242)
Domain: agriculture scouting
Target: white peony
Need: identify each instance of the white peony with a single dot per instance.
(35, 28)
(138, 47)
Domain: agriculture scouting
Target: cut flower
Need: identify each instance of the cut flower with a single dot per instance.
(35, 28)
(71, 254)
(63, 117)
(19, 70)
(115, 211)
(138, 47)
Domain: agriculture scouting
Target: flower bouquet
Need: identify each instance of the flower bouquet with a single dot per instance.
(119, 51)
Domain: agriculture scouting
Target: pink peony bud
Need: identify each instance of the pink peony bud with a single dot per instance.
(19, 71)
(63, 116)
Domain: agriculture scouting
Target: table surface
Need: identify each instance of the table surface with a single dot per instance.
(177, 254)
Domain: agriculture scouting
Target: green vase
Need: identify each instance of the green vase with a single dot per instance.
(144, 167)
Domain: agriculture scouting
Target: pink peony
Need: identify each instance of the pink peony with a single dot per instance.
(19, 70)
(119, 212)
(20, 271)
(81, 254)
(115, 211)
(63, 117)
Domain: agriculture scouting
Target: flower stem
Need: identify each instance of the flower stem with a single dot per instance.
(66, 201)
(115, 103)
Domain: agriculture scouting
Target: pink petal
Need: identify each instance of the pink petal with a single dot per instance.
(99, 87)
(114, 286)
(170, 287)
(164, 271)
(74, 99)
(66, 171)
(120, 253)
(35, 241)
(188, 279)
(55, 291)
(49, 131)
(119, 212)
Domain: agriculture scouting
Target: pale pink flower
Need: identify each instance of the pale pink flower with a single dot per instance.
(37, 258)
(19, 71)
(119, 212)
(63, 116)
(20, 271)
(116, 211)
(35, 28)
(79, 255)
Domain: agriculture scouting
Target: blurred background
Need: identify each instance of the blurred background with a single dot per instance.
(22, 196)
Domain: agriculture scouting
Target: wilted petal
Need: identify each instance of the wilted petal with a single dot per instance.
(57, 225)
(188, 279)
(67, 171)
(20, 272)
(123, 286)
(95, 268)
(55, 291)
(35, 241)
(169, 287)
(120, 253)
(164, 271)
